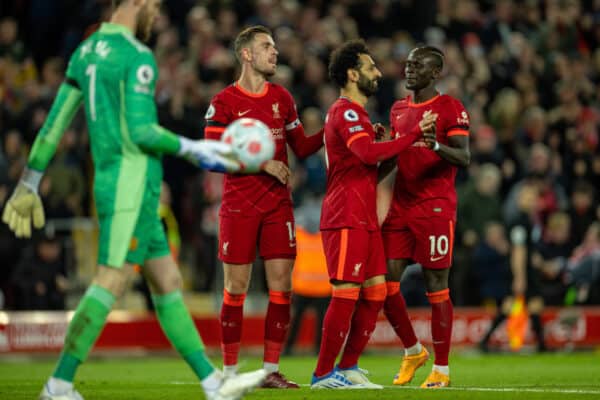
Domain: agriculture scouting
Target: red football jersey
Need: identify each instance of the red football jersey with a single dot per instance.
(424, 181)
(351, 185)
(254, 193)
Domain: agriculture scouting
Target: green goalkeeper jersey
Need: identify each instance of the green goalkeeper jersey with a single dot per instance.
(114, 76)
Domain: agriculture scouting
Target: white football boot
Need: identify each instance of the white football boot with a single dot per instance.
(236, 386)
(359, 376)
(71, 394)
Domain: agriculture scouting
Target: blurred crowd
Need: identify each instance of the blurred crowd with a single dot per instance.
(527, 72)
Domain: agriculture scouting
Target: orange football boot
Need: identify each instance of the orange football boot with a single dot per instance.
(436, 380)
(409, 365)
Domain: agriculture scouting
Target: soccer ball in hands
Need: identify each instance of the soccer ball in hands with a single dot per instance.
(251, 141)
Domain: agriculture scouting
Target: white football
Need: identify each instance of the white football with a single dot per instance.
(251, 141)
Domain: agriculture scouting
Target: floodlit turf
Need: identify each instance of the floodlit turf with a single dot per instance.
(489, 377)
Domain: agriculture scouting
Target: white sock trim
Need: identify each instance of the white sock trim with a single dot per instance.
(444, 369)
(58, 386)
(212, 383)
(230, 370)
(413, 350)
(271, 367)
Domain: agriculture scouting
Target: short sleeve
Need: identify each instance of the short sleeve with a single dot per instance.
(457, 123)
(217, 117)
(351, 124)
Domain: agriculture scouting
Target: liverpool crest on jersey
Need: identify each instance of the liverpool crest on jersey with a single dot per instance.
(276, 114)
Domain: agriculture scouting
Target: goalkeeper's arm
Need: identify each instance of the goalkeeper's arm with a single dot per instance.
(25, 204)
(145, 132)
(64, 108)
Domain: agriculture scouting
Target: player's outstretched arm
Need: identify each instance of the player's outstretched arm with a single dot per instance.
(302, 145)
(148, 135)
(25, 206)
(371, 153)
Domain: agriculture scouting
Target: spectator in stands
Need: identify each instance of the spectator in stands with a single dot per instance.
(582, 210)
(552, 195)
(472, 220)
(14, 155)
(10, 45)
(550, 256)
(40, 278)
(483, 189)
(583, 268)
(491, 266)
(65, 182)
(10, 248)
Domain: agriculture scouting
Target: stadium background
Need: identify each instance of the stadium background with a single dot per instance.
(527, 72)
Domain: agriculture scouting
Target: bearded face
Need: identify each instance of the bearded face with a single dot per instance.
(367, 86)
(368, 76)
(264, 55)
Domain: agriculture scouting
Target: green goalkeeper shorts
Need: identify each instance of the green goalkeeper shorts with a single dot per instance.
(132, 236)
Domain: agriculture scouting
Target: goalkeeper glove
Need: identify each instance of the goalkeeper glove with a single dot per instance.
(24, 205)
(209, 154)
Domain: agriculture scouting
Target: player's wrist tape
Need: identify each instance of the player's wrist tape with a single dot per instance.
(185, 146)
(436, 146)
(31, 179)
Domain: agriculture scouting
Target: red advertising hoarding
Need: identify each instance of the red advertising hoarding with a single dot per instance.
(45, 331)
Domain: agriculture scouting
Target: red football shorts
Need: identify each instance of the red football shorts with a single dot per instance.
(353, 255)
(273, 232)
(427, 241)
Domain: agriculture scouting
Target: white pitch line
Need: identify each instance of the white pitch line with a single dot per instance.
(466, 389)
(508, 389)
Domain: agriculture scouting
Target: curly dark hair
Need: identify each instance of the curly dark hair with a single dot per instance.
(345, 57)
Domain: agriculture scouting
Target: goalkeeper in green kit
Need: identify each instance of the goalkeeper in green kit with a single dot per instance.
(113, 75)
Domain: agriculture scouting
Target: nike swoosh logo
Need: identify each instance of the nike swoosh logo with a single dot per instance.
(436, 258)
(241, 114)
(292, 244)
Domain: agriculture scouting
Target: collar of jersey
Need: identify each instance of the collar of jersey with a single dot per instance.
(431, 100)
(250, 94)
(351, 101)
(107, 27)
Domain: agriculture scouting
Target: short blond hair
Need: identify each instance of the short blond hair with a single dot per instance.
(246, 36)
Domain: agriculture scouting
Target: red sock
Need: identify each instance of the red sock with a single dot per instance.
(335, 328)
(232, 316)
(396, 312)
(442, 316)
(277, 323)
(363, 323)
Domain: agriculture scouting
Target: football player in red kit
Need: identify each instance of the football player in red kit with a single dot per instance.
(420, 224)
(256, 210)
(350, 231)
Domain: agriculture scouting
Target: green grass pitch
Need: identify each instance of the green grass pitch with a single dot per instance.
(489, 377)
